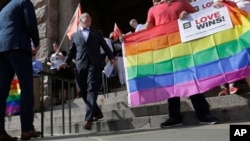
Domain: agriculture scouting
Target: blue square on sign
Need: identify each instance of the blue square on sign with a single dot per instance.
(239, 132)
(187, 25)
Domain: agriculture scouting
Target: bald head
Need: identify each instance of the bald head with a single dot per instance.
(85, 20)
(133, 23)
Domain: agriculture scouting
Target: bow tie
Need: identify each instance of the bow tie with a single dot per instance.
(86, 29)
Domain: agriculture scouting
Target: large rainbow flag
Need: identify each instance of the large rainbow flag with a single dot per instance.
(158, 66)
(13, 100)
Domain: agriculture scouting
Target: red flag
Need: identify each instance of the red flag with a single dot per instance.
(116, 32)
(74, 24)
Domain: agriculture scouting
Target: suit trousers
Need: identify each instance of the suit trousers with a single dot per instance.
(19, 62)
(199, 102)
(89, 83)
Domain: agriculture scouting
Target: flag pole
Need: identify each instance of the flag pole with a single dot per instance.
(69, 25)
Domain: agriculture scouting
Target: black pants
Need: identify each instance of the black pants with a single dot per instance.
(89, 83)
(199, 102)
(19, 62)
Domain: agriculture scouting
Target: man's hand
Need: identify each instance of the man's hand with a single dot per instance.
(62, 66)
(217, 4)
(113, 62)
(35, 49)
(183, 15)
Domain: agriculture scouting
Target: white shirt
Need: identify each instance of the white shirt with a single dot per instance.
(139, 27)
(85, 33)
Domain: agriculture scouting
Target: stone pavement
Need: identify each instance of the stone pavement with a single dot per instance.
(218, 132)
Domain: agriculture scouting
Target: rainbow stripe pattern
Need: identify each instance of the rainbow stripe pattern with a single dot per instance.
(13, 100)
(158, 66)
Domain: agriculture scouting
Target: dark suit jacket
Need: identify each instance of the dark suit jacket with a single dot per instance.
(89, 51)
(18, 25)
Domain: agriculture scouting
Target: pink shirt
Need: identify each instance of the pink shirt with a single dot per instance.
(165, 13)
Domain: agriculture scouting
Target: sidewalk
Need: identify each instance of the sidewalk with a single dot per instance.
(218, 132)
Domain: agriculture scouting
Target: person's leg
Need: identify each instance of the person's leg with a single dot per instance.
(202, 110)
(175, 118)
(81, 78)
(22, 64)
(93, 87)
(200, 105)
(6, 76)
(174, 107)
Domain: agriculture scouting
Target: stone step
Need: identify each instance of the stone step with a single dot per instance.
(118, 116)
(233, 114)
(140, 111)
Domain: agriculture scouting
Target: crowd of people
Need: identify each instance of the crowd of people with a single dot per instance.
(84, 62)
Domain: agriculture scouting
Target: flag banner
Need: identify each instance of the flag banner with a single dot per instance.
(158, 66)
(117, 32)
(203, 23)
(74, 24)
(13, 100)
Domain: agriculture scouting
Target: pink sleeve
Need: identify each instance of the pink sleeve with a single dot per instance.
(150, 18)
(188, 7)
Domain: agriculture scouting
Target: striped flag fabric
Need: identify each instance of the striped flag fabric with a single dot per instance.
(13, 100)
(158, 66)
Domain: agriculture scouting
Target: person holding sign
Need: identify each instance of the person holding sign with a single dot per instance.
(165, 12)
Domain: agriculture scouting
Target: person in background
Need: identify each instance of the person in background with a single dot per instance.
(117, 45)
(37, 67)
(134, 24)
(165, 12)
(104, 87)
(54, 60)
(85, 49)
(156, 2)
(18, 24)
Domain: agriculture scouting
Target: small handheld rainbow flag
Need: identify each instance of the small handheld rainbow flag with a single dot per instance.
(158, 66)
(13, 101)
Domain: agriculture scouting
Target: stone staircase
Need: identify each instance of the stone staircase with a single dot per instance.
(118, 116)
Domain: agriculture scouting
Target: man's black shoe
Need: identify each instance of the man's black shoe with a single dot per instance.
(209, 120)
(171, 122)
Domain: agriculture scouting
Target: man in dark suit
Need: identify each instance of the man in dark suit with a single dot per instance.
(85, 49)
(18, 25)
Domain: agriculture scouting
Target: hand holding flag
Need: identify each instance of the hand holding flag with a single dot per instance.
(117, 32)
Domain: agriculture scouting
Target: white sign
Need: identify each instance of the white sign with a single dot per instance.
(108, 69)
(202, 4)
(204, 23)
